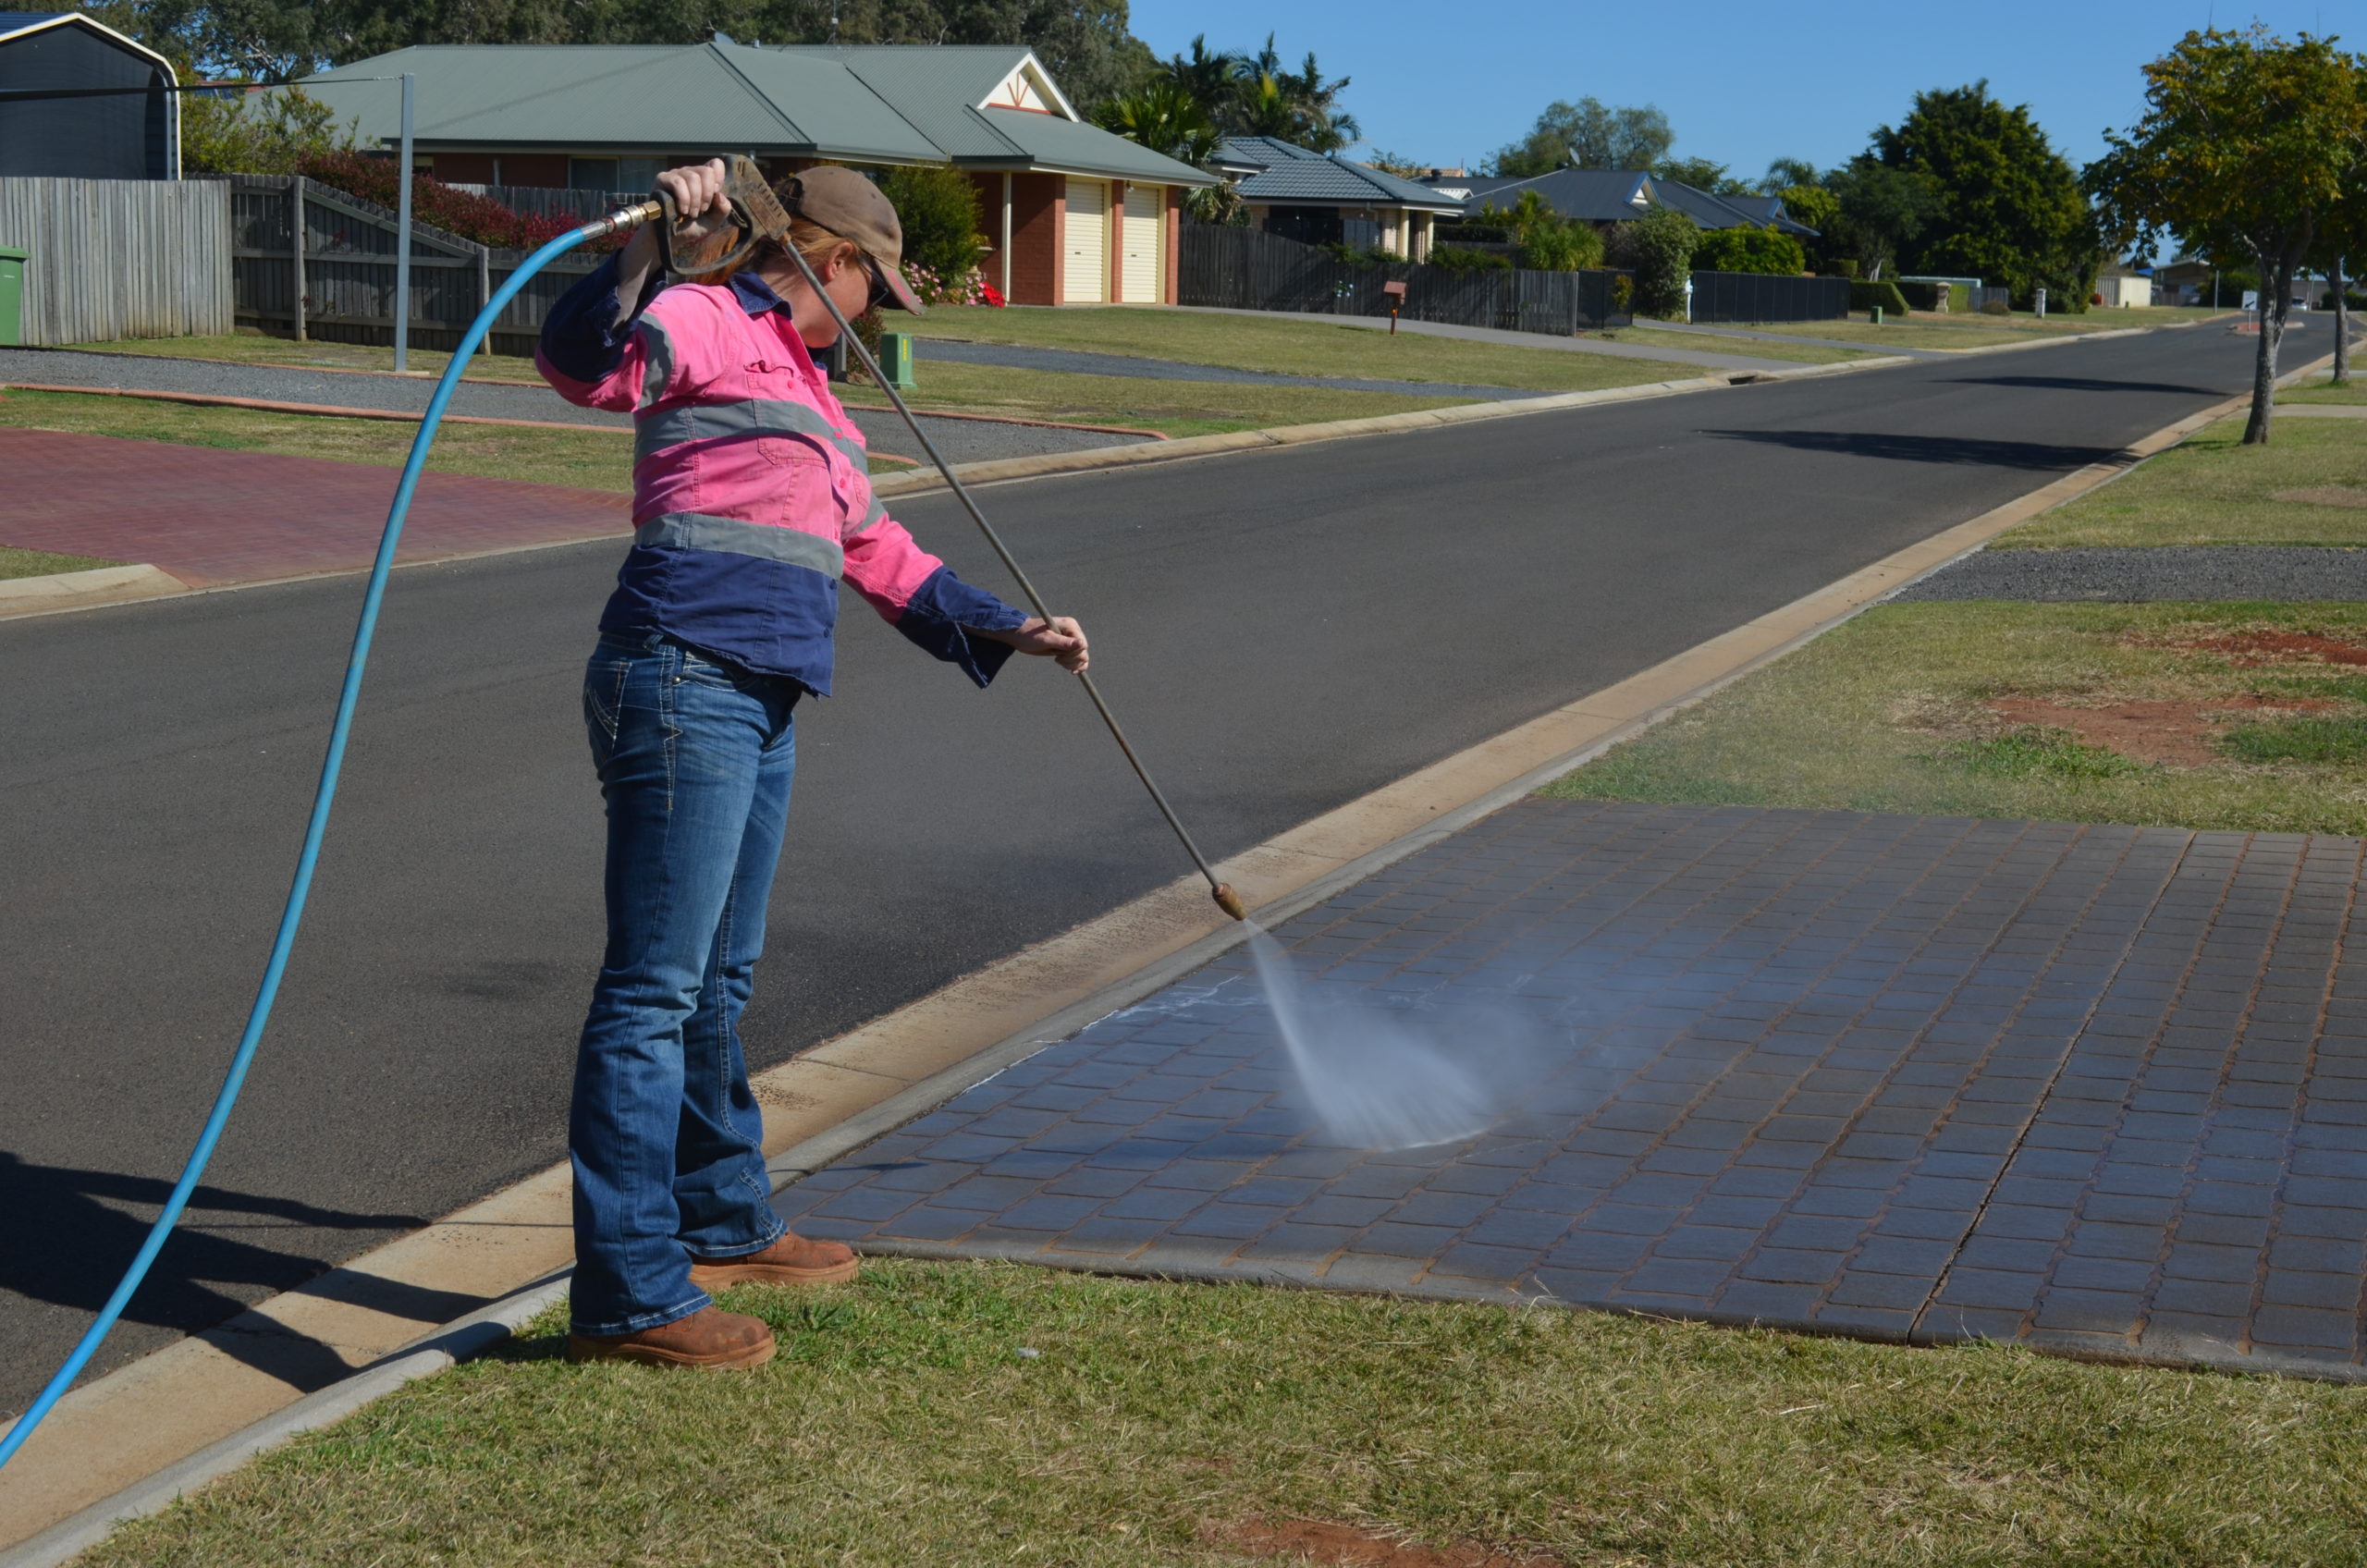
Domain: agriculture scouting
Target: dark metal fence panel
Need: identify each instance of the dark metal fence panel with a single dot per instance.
(1746, 296)
(1983, 295)
(557, 202)
(1249, 269)
(349, 272)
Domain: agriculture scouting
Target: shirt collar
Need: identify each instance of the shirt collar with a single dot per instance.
(756, 296)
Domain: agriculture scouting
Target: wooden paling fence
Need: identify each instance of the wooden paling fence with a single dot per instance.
(1249, 269)
(341, 288)
(119, 258)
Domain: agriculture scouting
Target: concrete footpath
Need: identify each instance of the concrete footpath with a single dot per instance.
(2100, 1091)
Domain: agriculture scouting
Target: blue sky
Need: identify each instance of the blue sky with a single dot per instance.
(1741, 82)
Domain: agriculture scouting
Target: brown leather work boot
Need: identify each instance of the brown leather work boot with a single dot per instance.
(710, 1339)
(792, 1260)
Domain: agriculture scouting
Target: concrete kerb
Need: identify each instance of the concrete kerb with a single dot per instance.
(853, 1089)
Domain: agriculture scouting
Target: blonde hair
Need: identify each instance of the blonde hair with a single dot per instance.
(814, 242)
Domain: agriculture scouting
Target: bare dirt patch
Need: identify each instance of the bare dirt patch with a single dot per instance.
(2249, 650)
(2176, 734)
(2324, 496)
(1344, 1546)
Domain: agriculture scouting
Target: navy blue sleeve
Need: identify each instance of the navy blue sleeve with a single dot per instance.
(943, 611)
(582, 337)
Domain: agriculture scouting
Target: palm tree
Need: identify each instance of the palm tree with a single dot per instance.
(1165, 118)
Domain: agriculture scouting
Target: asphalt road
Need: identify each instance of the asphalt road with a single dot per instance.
(1280, 631)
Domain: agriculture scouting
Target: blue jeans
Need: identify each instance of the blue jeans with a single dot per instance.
(695, 758)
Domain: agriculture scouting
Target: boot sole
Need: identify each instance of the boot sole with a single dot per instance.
(580, 1349)
(706, 1276)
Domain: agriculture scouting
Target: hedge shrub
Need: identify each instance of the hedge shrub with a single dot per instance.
(1865, 296)
(937, 208)
(1659, 249)
(1767, 249)
(377, 178)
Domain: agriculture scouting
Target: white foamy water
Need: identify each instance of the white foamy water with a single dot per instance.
(1388, 1078)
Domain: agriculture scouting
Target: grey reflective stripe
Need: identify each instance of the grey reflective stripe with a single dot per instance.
(750, 416)
(658, 360)
(696, 531)
(877, 515)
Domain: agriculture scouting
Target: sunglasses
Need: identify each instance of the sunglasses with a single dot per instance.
(880, 293)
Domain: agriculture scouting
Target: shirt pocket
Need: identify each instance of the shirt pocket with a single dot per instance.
(801, 494)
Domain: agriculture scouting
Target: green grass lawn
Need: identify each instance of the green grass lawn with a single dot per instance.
(1649, 337)
(15, 562)
(2193, 715)
(1162, 1425)
(1295, 345)
(2324, 392)
(592, 459)
(2307, 486)
(255, 349)
(1173, 407)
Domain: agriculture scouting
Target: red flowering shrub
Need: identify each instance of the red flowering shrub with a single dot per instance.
(480, 218)
(989, 295)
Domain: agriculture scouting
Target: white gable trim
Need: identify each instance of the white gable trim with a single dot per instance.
(1029, 86)
(69, 18)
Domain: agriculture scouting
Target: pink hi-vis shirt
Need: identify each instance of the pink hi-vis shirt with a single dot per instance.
(751, 491)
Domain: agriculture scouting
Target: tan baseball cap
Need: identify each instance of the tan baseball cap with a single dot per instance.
(852, 208)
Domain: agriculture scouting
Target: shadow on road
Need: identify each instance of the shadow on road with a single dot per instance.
(2088, 383)
(65, 1241)
(1965, 449)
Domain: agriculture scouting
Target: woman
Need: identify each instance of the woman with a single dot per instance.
(751, 502)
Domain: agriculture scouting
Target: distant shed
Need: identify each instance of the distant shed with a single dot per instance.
(124, 136)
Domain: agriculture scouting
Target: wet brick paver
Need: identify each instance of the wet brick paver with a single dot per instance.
(212, 517)
(2098, 1090)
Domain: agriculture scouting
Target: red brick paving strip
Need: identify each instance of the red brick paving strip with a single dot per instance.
(212, 517)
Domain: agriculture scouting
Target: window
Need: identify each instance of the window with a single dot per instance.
(592, 174)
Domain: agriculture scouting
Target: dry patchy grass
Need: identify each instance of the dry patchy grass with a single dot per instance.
(2247, 717)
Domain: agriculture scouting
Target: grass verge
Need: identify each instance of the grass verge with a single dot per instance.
(2326, 392)
(15, 562)
(2307, 486)
(1164, 1424)
(2247, 717)
(1295, 345)
(1696, 341)
(1174, 408)
(591, 460)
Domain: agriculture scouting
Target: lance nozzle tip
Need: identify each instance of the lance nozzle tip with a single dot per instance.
(1228, 900)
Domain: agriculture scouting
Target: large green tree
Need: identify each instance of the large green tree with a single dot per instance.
(2244, 148)
(1877, 213)
(1245, 94)
(1588, 134)
(2009, 206)
(2341, 247)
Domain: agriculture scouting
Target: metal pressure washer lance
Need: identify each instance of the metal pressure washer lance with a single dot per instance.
(757, 214)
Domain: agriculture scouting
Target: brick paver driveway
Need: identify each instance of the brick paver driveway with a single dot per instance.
(213, 516)
(2099, 1090)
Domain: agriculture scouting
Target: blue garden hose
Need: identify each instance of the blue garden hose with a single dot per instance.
(292, 915)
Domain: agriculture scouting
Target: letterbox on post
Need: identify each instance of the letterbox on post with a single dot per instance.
(1394, 292)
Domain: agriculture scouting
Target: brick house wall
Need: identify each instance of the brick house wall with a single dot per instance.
(1037, 206)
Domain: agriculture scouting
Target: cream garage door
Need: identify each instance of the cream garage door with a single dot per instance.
(1143, 260)
(1084, 244)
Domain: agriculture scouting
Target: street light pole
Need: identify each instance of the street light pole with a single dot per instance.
(402, 243)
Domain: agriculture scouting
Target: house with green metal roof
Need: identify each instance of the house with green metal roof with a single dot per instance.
(1073, 213)
(1319, 197)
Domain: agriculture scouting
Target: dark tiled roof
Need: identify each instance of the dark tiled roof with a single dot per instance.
(17, 22)
(1295, 176)
(1588, 195)
(1709, 212)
